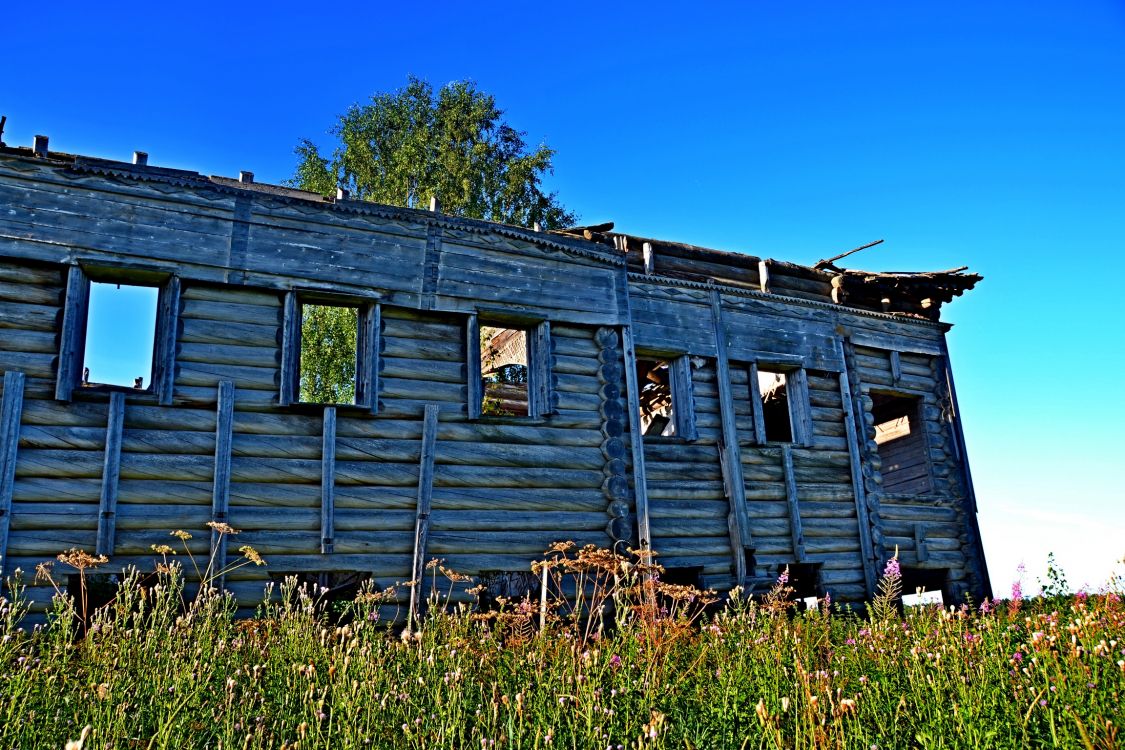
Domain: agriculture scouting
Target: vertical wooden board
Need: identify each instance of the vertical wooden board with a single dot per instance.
(640, 487)
(472, 361)
(10, 413)
(164, 354)
(72, 338)
(800, 412)
(756, 406)
(111, 472)
(730, 455)
(683, 398)
(220, 491)
(290, 349)
(425, 501)
(794, 508)
(540, 370)
(920, 549)
(854, 464)
(896, 366)
(368, 356)
(328, 482)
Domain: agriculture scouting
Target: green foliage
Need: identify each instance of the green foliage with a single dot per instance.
(1056, 585)
(622, 662)
(328, 354)
(408, 145)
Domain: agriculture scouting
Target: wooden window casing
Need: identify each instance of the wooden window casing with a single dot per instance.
(540, 395)
(367, 348)
(680, 394)
(797, 396)
(76, 311)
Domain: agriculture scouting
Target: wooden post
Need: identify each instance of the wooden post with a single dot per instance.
(111, 472)
(370, 332)
(867, 552)
(164, 355)
(290, 350)
(72, 338)
(870, 481)
(756, 406)
(896, 366)
(328, 482)
(472, 368)
(800, 411)
(683, 398)
(794, 510)
(422, 512)
(920, 549)
(220, 490)
(10, 414)
(539, 391)
(636, 440)
(738, 522)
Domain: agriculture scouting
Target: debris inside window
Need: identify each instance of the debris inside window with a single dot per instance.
(120, 335)
(774, 391)
(329, 353)
(654, 386)
(902, 444)
(503, 369)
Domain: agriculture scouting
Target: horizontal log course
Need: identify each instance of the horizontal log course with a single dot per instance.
(686, 490)
(422, 369)
(580, 402)
(31, 364)
(25, 274)
(585, 384)
(208, 375)
(232, 312)
(585, 348)
(245, 399)
(396, 328)
(564, 364)
(268, 357)
(448, 350)
(28, 317)
(667, 547)
(240, 295)
(30, 342)
(829, 429)
(676, 471)
(689, 509)
(422, 390)
(663, 527)
(892, 509)
(46, 544)
(196, 331)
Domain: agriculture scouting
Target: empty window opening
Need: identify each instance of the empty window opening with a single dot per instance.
(120, 335)
(902, 444)
(773, 387)
(329, 353)
(654, 386)
(506, 585)
(686, 576)
(334, 590)
(915, 580)
(504, 371)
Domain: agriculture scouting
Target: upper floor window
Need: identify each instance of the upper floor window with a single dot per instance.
(780, 402)
(118, 332)
(664, 397)
(509, 365)
(901, 443)
(330, 351)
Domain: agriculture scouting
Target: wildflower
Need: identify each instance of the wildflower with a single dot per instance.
(892, 570)
(847, 706)
(162, 549)
(81, 559)
(79, 743)
(760, 709)
(615, 661)
(251, 554)
(182, 535)
(222, 528)
(783, 579)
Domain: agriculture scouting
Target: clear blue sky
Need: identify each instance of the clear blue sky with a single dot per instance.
(986, 134)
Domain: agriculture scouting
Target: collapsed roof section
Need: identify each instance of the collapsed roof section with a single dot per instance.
(913, 294)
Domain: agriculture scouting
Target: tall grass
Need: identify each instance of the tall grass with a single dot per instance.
(609, 658)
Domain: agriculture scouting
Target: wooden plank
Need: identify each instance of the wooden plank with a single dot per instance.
(220, 490)
(794, 510)
(800, 413)
(290, 349)
(896, 366)
(854, 464)
(539, 354)
(640, 487)
(756, 406)
(111, 473)
(367, 385)
(72, 339)
(164, 352)
(422, 509)
(10, 414)
(472, 361)
(730, 455)
(683, 398)
(328, 482)
(896, 342)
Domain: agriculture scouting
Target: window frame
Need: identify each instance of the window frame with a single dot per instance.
(681, 385)
(918, 399)
(368, 342)
(541, 401)
(797, 397)
(76, 318)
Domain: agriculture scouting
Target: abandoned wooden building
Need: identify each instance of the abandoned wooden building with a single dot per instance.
(507, 388)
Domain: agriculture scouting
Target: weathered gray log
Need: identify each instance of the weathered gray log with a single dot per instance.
(164, 350)
(220, 492)
(10, 413)
(422, 511)
(290, 349)
(368, 382)
(72, 338)
(800, 413)
(328, 482)
(107, 507)
(756, 405)
(796, 532)
(540, 395)
(640, 489)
